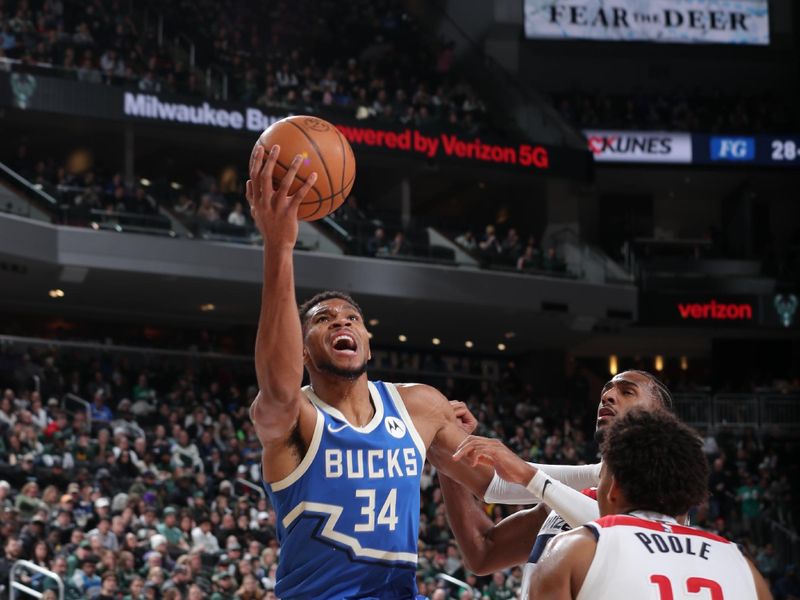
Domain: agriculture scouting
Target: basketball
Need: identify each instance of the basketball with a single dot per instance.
(324, 150)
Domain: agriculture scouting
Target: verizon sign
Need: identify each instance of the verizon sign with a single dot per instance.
(640, 146)
(713, 310)
(665, 21)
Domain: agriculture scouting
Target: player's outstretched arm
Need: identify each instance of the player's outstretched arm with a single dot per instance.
(560, 573)
(516, 478)
(279, 340)
(487, 547)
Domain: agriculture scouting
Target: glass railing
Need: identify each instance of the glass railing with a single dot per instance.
(347, 231)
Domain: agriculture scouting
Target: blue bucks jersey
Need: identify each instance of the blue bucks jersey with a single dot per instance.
(348, 516)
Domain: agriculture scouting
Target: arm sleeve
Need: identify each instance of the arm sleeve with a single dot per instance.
(573, 506)
(576, 477)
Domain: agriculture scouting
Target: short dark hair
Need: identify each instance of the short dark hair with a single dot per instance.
(322, 297)
(658, 388)
(657, 461)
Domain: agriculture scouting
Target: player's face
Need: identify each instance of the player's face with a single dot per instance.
(336, 340)
(622, 393)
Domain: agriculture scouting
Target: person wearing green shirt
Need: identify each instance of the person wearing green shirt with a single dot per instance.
(497, 590)
(175, 537)
(224, 587)
(750, 495)
(74, 560)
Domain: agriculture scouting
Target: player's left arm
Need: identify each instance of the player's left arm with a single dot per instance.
(561, 571)
(436, 423)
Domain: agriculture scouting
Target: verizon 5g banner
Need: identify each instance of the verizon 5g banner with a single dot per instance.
(640, 146)
(665, 21)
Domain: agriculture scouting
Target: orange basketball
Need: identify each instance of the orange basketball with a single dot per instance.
(324, 150)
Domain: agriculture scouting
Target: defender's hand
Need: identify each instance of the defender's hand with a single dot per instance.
(466, 420)
(274, 211)
(479, 450)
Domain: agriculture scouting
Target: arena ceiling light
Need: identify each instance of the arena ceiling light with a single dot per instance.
(145, 182)
(501, 346)
(436, 341)
(613, 364)
(207, 307)
(510, 335)
(402, 338)
(56, 293)
(684, 363)
(469, 344)
(175, 185)
(373, 322)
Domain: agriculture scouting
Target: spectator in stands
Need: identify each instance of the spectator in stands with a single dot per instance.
(99, 411)
(377, 246)
(85, 579)
(489, 245)
(202, 537)
(788, 586)
(185, 205)
(208, 211)
(467, 241)
(530, 258)
(750, 495)
(400, 245)
(511, 246)
(223, 584)
(551, 260)
(236, 216)
(108, 587)
(767, 562)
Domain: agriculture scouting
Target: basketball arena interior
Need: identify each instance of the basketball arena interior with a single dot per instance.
(547, 193)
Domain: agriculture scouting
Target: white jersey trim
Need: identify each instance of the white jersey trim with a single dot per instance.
(311, 453)
(377, 402)
(334, 512)
(403, 411)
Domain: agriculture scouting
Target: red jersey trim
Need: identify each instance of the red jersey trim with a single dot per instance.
(591, 492)
(629, 521)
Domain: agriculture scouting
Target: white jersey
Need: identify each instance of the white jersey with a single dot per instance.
(552, 526)
(650, 557)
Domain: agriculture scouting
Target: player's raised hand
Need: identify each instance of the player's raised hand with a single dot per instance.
(466, 420)
(274, 211)
(475, 450)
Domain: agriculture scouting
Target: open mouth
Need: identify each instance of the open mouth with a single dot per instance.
(605, 411)
(344, 343)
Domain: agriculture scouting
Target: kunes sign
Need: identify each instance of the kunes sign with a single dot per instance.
(666, 21)
(640, 146)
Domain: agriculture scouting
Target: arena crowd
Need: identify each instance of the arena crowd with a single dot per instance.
(141, 495)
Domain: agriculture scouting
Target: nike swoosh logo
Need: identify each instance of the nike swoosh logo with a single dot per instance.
(544, 489)
(333, 429)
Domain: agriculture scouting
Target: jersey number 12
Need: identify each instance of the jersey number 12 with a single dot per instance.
(386, 516)
(694, 585)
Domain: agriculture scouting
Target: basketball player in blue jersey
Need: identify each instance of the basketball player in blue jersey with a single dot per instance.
(523, 536)
(342, 457)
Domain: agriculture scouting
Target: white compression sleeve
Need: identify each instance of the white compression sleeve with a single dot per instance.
(501, 491)
(578, 477)
(571, 505)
